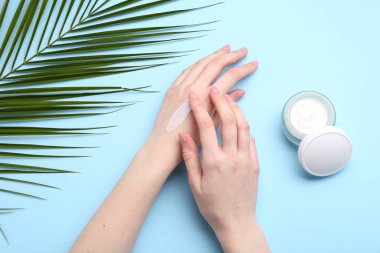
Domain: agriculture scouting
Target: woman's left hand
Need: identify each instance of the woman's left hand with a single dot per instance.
(197, 78)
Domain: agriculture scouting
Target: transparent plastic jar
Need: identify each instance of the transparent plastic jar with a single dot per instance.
(305, 113)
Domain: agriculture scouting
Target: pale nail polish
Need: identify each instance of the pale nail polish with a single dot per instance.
(226, 48)
(255, 63)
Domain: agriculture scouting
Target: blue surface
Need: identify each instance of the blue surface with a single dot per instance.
(323, 45)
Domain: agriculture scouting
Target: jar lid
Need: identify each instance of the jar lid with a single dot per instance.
(325, 152)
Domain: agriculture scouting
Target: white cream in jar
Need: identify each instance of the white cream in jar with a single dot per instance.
(305, 113)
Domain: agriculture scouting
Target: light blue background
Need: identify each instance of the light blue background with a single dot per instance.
(331, 46)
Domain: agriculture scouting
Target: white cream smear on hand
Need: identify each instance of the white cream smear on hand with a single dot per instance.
(179, 116)
(308, 114)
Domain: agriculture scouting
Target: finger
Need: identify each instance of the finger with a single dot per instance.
(254, 155)
(215, 67)
(232, 76)
(243, 131)
(206, 128)
(192, 162)
(227, 118)
(201, 64)
(235, 95)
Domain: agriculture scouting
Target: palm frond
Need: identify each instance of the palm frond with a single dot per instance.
(23, 194)
(27, 182)
(24, 155)
(87, 17)
(36, 146)
(11, 168)
(44, 131)
(3, 233)
(48, 42)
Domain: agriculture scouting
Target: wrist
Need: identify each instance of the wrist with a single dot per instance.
(241, 237)
(163, 154)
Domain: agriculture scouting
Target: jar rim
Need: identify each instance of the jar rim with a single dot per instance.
(290, 131)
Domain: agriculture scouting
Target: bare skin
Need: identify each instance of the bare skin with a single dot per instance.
(116, 224)
(225, 183)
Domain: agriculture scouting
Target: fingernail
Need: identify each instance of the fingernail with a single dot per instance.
(193, 96)
(241, 93)
(182, 138)
(228, 98)
(244, 50)
(254, 63)
(215, 90)
(226, 48)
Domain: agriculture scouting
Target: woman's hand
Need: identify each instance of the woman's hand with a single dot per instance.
(115, 225)
(199, 78)
(225, 182)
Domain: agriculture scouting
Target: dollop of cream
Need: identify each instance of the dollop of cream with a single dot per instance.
(309, 114)
(179, 116)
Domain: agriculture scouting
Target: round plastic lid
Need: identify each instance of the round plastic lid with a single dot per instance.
(325, 152)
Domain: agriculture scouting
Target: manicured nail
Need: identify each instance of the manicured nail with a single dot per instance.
(182, 138)
(228, 98)
(244, 50)
(241, 93)
(193, 96)
(254, 63)
(226, 48)
(215, 90)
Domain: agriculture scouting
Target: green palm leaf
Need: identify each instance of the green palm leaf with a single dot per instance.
(43, 131)
(10, 168)
(20, 194)
(36, 146)
(24, 155)
(3, 234)
(92, 17)
(26, 182)
(3, 11)
(47, 42)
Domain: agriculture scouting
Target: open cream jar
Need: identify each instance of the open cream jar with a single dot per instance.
(304, 113)
(308, 120)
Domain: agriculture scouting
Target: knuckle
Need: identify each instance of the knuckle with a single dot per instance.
(206, 123)
(183, 90)
(236, 72)
(244, 126)
(187, 156)
(221, 61)
(213, 160)
(228, 119)
(256, 170)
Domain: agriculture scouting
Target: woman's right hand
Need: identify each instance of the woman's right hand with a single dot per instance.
(225, 182)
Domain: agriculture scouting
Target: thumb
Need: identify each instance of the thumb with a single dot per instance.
(192, 162)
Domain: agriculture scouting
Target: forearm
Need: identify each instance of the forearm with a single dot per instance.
(245, 238)
(116, 224)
